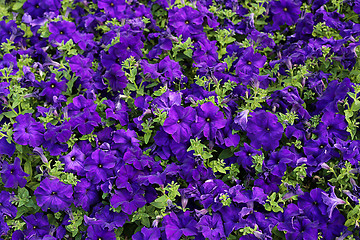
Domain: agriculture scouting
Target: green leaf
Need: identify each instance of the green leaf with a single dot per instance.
(188, 53)
(10, 114)
(18, 5)
(160, 202)
(226, 153)
(28, 169)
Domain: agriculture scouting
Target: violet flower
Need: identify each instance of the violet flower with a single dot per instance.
(178, 123)
(209, 119)
(331, 200)
(27, 131)
(264, 130)
(177, 226)
(13, 175)
(54, 195)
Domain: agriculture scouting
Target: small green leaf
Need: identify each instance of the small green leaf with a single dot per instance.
(226, 153)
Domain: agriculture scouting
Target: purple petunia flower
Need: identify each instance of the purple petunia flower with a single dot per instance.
(37, 224)
(178, 123)
(6, 208)
(211, 226)
(116, 77)
(96, 232)
(285, 11)
(99, 166)
(56, 138)
(85, 194)
(53, 88)
(54, 195)
(13, 175)
(129, 201)
(125, 139)
(147, 234)
(250, 62)
(6, 148)
(27, 131)
(185, 21)
(166, 70)
(264, 130)
(209, 119)
(312, 204)
(113, 8)
(74, 161)
(331, 200)
(61, 31)
(179, 225)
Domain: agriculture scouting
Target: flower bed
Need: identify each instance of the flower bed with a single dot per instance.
(179, 119)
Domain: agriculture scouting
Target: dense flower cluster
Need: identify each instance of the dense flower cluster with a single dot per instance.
(170, 119)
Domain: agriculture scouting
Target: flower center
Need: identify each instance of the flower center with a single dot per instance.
(187, 22)
(322, 146)
(208, 119)
(73, 158)
(112, 4)
(53, 193)
(52, 85)
(267, 129)
(61, 32)
(12, 171)
(37, 6)
(100, 165)
(249, 62)
(285, 9)
(179, 121)
(290, 90)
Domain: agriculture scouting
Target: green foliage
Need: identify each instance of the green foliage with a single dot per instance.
(24, 202)
(147, 130)
(225, 199)
(288, 118)
(58, 171)
(351, 111)
(222, 14)
(200, 149)
(258, 161)
(342, 176)
(353, 217)
(295, 176)
(296, 77)
(7, 47)
(182, 50)
(273, 202)
(130, 68)
(223, 37)
(233, 172)
(255, 100)
(218, 166)
(169, 195)
(144, 215)
(69, 48)
(75, 222)
(315, 120)
(321, 30)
